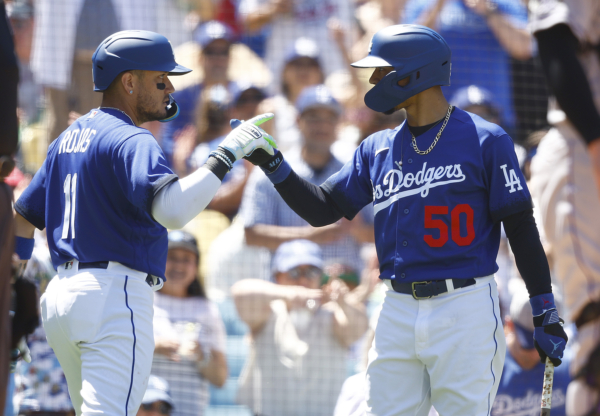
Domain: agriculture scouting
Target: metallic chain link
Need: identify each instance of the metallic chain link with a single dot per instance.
(414, 141)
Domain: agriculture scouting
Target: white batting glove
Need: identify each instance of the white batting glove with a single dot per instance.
(249, 141)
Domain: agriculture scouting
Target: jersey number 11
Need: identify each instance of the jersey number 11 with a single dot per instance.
(70, 190)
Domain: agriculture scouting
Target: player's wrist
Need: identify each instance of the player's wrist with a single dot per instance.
(276, 168)
(24, 247)
(220, 162)
(541, 304)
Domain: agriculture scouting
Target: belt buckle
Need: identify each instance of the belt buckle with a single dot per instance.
(414, 293)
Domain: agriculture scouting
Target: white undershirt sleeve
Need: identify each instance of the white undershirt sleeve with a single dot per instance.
(179, 202)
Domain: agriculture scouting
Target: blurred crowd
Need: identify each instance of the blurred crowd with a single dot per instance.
(262, 314)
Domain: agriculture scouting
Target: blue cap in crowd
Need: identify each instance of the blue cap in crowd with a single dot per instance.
(474, 95)
(292, 254)
(317, 96)
(211, 31)
(242, 87)
(157, 390)
(302, 48)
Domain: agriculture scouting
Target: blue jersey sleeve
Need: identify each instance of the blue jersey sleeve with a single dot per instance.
(351, 187)
(32, 202)
(141, 170)
(508, 193)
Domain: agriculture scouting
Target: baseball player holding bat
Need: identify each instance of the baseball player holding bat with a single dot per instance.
(105, 195)
(441, 185)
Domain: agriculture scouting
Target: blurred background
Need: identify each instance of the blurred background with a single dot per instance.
(290, 57)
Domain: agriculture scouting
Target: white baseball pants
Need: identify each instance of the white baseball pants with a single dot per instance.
(447, 351)
(99, 324)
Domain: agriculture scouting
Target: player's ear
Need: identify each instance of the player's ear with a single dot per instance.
(128, 82)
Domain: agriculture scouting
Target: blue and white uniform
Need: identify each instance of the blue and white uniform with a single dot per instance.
(437, 217)
(94, 194)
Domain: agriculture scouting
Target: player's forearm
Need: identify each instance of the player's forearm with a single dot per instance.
(567, 79)
(529, 253)
(178, 203)
(307, 200)
(23, 228)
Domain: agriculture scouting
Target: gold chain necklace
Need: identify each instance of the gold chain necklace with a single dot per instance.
(414, 141)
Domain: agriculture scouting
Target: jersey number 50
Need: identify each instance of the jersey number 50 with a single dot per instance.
(454, 225)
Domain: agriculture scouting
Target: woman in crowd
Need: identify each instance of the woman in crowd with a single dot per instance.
(188, 331)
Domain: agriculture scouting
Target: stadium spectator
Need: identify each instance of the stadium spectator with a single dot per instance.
(267, 218)
(215, 39)
(293, 19)
(477, 100)
(483, 35)
(300, 335)
(188, 331)
(157, 400)
(66, 35)
(301, 69)
(519, 392)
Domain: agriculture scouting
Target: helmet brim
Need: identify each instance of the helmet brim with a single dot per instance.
(179, 70)
(371, 62)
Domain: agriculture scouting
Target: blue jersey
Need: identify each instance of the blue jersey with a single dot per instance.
(94, 194)
(437, 216)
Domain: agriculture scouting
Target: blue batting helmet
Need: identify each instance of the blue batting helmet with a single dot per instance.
(133, 50)
(413, 51)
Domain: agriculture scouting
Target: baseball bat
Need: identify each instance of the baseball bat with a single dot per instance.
(547, 389)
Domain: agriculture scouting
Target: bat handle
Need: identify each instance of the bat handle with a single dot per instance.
(547, 389)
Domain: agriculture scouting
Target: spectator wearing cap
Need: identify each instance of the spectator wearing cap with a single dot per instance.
(215, 40)
(477, 100)
(301, 69)
(268, 220)
(289, 20)
(520, 389)
(188, 331)
(300, 335)
(157, 399)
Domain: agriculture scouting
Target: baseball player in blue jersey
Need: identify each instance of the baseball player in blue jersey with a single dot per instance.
(441, 185)
(105, 195)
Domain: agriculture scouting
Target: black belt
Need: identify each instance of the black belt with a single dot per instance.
(104, 265)
(428, 289)
(94, 265)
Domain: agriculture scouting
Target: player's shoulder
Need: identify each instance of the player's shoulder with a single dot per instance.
(486, 132)
(113, 127)
(379, 141)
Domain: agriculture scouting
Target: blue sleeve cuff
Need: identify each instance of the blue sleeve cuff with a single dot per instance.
(280, 174)
(24, 247)
(540, 304)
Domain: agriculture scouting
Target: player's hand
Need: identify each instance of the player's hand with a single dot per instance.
(549, 336)
(249, 141)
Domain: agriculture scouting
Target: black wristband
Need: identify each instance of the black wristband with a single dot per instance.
(217, 166)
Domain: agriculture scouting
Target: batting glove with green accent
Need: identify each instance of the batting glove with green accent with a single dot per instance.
(249, 141)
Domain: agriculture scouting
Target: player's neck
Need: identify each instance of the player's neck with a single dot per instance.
(114, 101)
(426, 107)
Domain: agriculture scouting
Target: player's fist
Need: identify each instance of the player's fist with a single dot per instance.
(549, 336)
(248, 140)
